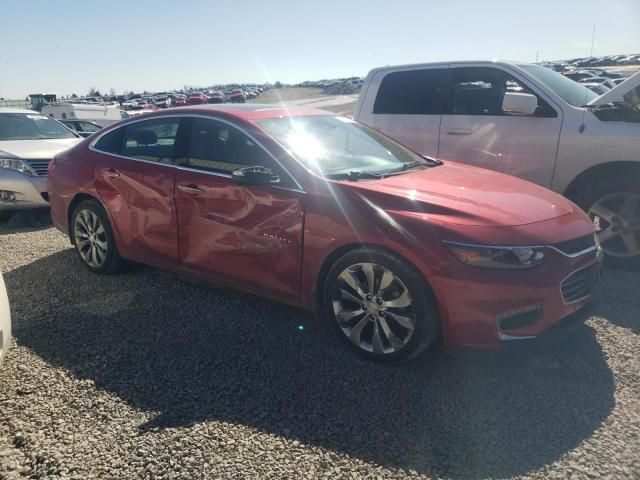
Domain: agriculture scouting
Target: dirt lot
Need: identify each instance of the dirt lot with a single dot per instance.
(309, 97)
(146, 375)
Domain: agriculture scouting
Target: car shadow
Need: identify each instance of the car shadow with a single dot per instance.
(26, 220)
(191, 352)
(620, 288)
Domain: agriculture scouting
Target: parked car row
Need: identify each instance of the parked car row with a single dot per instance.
(583, 62)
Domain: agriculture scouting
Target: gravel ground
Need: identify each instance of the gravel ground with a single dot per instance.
(148, 375)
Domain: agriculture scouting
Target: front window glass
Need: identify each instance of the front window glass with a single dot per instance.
(571, 92)
(218, 147)
(27, 126)
(331, 145)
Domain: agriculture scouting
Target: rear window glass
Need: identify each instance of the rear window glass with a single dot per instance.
(412, 92)
(111, 142)
(151, 140)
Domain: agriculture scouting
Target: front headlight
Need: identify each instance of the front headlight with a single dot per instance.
(18, 165)
(497, 257)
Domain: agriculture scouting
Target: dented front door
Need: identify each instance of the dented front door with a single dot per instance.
(246, 234)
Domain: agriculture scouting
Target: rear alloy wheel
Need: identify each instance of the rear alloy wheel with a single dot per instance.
(380, 306)
(93, 238)
(617, 220)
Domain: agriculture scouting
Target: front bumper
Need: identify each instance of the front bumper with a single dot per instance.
(488, 309)
(30, 192)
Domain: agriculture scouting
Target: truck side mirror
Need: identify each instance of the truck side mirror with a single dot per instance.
(520, 104)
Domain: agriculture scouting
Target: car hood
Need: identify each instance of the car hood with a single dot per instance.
(36, 149)
(464, 195)
(625, 92)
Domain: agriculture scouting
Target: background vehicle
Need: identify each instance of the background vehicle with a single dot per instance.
(554, 132)
(5, 321)
(607, 82)
(215, 97)
(97, 113)
(237, 96)
(196, 98)
(223, 192)
(81, 127)
(28, 142)
(599, 88)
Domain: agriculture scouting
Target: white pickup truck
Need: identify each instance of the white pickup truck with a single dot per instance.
(525, 120)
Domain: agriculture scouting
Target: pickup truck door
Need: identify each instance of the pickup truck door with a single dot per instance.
(407, 106)
(475, 130)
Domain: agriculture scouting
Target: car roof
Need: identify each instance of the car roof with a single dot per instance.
(16, 110)
(445, 63)
(249, 111)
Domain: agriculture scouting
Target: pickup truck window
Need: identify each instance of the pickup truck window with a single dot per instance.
(411, 92)
(571, 92)
(480, 91)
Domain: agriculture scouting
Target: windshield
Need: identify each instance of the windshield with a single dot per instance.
(31, 126)
(570, 91)
(330, 145)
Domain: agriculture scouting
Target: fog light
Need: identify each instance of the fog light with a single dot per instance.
(7, 196)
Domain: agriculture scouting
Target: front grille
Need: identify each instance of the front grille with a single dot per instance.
(39, 166)
(577, 245)
(580, 284)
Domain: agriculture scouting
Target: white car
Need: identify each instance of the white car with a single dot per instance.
(549, 130)
(5, 321)
(28, 142)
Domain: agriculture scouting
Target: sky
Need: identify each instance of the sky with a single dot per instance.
(69, 46)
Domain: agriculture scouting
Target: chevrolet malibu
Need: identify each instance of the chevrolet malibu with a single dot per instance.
(317, 210)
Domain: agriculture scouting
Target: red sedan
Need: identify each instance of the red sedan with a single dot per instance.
(317, 210)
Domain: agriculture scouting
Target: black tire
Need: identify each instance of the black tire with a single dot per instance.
(423, 304)
(113, 262)
(589, 195)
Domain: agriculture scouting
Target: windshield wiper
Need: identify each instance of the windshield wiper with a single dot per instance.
(354, 175)
(427, 162)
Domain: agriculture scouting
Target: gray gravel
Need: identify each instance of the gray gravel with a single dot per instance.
(148, 375)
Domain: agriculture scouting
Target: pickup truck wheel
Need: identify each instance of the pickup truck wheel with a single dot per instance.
(614, 207)
(380, 306)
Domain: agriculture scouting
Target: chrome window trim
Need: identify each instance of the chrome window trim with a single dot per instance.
(298, 187)
(568, 255)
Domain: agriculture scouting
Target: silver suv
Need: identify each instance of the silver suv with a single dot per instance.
(28, 142)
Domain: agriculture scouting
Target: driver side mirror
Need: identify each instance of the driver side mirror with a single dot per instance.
(521, 104)
(254, 176)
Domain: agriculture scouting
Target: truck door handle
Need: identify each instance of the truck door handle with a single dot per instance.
(110, 172)
(459, 131)
(191, 189)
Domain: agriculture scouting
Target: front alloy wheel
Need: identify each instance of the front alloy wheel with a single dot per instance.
(374, 308)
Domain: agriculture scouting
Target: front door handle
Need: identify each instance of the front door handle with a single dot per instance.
(459, 131)
(191, 189)
(110, 172)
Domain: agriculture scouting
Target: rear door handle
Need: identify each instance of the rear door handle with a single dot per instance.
(110, 172)
(191, 189)
(459, 131)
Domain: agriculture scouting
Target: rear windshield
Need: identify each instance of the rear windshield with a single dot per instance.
(31, 126)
